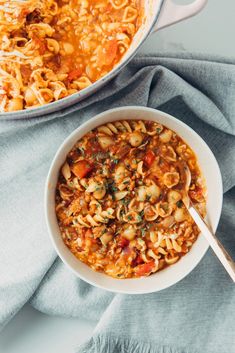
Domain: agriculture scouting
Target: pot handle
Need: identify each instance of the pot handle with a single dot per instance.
(172, 13)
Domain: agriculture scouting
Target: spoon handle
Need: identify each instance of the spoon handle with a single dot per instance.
(218, 248)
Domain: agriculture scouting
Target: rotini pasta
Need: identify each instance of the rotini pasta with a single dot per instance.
(119, 198)
(53, 48)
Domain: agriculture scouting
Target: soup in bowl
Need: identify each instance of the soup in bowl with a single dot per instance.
(114, 200)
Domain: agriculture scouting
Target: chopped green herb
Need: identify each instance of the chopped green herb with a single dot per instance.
(111, 188)
(100, 156)
(143, 231)
(129, 218)
(148, 197)
(119, 275)
(165, 207)
(126, 182)
(81, 149)
(158, 129)
(179, 203)
(125, 201)
(122, 212)
(115, 161)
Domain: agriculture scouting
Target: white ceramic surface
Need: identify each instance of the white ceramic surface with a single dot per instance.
(171, 274)
(170, 13)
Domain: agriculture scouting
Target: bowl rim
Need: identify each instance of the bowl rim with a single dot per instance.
(95, 121)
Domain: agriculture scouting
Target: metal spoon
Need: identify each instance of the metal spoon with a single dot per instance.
(215, 244)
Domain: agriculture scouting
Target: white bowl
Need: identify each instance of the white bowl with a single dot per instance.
(187, 263)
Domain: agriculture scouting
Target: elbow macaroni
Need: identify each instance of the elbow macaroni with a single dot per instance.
(53, 48)
(120, 220)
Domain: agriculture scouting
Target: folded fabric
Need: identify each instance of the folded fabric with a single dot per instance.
(195, 315)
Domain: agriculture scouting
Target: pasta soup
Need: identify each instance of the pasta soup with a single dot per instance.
(119, 198)
(50, 49)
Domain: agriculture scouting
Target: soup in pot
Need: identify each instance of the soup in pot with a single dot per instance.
(50, 49)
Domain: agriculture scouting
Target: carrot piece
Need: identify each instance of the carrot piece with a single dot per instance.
(123, 242)
(81, 168)
(111, 50)
(149, 158)
(76, 73)
(107, 53)
(197, 194)
(145, 269)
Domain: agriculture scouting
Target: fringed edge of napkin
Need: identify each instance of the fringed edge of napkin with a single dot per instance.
(113, 344)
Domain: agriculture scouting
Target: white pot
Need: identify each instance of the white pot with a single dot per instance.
(159, 14)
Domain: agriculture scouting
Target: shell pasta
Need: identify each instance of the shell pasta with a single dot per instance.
(53, 48)
(119, 198)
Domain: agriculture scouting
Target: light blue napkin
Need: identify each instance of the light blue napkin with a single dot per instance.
(195, 315)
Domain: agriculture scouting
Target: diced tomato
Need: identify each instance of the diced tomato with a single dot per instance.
(42, 48)
(41, 45)
(23, 14)
(76, 73)
(122, 150)
(145, 269)
(123, 242)
(124, 29)
(149, 158)
(26, 72)
(197, 194)
(83, 232)
(150, 244)
(109, 8)
(93, 147)
(93, 241)
(127, 251)
(81, 168)
(137, 261)
(87, 233)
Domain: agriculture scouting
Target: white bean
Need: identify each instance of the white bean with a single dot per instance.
(136, 139)
(165, 136)
(173, 196)
(68, 48)
(105, 141)
(180, 215)
(129, 233)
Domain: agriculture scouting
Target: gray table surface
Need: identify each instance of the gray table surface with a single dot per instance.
(212, 31)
